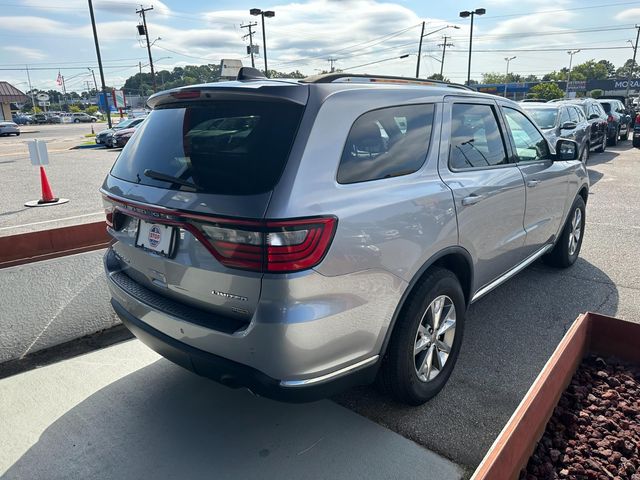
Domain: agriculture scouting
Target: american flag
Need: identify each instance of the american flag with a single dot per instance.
(59, 80)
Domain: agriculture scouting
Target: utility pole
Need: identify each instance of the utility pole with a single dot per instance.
(33, 102)
(250, 35)
(633, 63)
(140, 67)
(64, 90)
(420, 50)
(146, 34)
(571, 54)
(332, 62)
(95, 38)
(444, 46)
(95, 84)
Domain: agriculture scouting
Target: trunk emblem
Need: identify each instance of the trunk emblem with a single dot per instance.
(229, 296)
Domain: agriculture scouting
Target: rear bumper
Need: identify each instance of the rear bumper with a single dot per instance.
(236, 375)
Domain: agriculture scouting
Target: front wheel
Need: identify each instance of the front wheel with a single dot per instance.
(426, 341)
(76, 121)
(567, 248)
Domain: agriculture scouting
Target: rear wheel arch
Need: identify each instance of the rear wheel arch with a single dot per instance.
(455, 259)
(584, 193)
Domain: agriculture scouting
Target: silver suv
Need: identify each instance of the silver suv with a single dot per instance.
(300, 237)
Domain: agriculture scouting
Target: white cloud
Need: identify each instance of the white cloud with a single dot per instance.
(127, 7)
(628, 14)
(26, 53)
(32, 24)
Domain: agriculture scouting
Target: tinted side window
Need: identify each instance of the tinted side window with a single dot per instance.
(564, 115)
(529, 143)
(606, 106)
(386, 143)
(580, 113)
(573, 114)
(476, 140)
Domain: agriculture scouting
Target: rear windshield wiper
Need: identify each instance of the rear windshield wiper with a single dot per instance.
(170, 179)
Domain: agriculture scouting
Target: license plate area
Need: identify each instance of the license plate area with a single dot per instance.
(156, 237)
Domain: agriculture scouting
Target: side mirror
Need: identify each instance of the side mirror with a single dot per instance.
(566, 150)
(568, 125)
(593, 115)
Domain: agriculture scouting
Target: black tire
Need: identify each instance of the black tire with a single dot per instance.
(18, 134)
(76, 121)
(398, 374)
(560, 255)
(584, 155)
(603, 145)
(613, 141)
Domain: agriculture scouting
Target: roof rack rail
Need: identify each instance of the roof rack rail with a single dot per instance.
(344, 77)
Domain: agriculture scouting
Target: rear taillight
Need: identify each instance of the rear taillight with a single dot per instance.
(610, 118)
(638, 119)
(186, 94)
(278, 246)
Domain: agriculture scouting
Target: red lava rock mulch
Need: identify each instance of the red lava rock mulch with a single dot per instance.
(594, 432)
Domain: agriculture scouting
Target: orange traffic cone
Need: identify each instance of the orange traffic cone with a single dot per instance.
(47, 194)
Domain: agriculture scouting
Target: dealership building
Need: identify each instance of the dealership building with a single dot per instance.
(8, 95)
(611, 87)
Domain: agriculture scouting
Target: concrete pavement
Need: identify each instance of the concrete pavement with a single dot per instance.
(123, 412)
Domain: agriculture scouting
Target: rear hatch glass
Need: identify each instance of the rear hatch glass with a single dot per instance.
(230, 148)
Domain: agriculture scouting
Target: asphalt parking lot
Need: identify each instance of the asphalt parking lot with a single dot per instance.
(73, 174)
(509, 333)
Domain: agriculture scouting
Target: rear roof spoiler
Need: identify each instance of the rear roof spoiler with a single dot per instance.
(344, 77)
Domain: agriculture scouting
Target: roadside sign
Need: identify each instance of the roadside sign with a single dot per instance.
(43, 97)
(38, 152)
(119, 100)
(44, 104)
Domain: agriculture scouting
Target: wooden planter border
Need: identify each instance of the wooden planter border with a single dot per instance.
(590, 333)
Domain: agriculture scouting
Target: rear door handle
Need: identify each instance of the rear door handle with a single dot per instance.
(532, 183)
(471, 199)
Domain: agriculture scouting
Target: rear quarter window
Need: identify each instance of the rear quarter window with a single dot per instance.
(386, 143)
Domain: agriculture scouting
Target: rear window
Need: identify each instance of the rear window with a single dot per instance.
(231, 148)
(606, 106)
(386, 143)
(544, 117)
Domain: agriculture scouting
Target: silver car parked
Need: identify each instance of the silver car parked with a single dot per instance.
(300, 237)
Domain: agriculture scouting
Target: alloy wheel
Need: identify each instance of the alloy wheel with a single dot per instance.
(434, 338)
(576, 231)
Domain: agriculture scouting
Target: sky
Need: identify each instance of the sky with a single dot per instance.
(363, 36)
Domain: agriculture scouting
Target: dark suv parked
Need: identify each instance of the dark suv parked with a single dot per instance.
(618, 120)
(597, 118)
(559, 120)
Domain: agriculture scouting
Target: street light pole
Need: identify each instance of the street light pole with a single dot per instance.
(95, 38)
(506, 77)
(269, 14)
(633, 63)
(465, 14)
(571, 54)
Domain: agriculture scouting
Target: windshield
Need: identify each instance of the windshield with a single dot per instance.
(230, 148)
(544, 117)
(125, 123)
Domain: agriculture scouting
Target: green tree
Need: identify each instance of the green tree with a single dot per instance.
(437, 76)
(611, 68)
(493, 77)
(627, 69)
(74, 108)
(597, 93)
(589, 70)
(546, 91)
